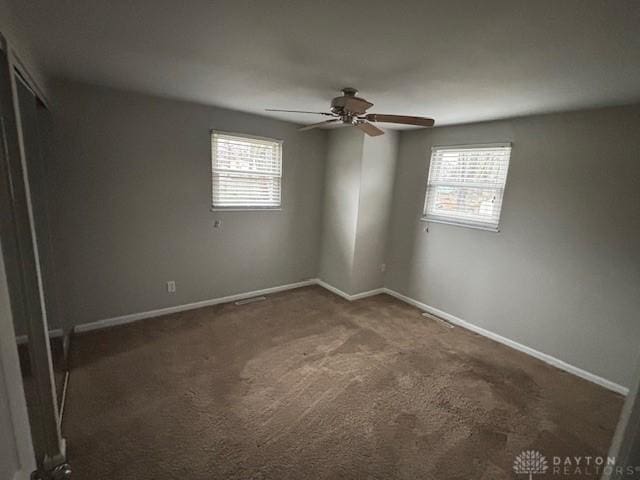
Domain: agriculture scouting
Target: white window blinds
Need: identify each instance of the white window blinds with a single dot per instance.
(247, 172)
(466, 185)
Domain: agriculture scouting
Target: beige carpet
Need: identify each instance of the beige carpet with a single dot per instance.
(306, 385)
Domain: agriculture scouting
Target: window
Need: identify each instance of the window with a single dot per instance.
(246, 172)
(466, 185)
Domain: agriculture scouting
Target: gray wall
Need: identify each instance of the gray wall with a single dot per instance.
(341, 198)
(374, 210)
(563, 275)
(358, 194)
(132, 205)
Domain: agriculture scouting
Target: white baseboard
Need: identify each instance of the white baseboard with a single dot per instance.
(347, 296)
(110, 322)
(368, 293)
(556, 362)
(133, 317)
(55, 333)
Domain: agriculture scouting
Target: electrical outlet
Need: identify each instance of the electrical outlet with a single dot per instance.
(171, 286)
(383, 267)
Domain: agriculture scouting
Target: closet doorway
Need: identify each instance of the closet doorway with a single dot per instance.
(24, 237)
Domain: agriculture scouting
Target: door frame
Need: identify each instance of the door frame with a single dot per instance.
(625, 445)
(53, 445)
(10, 364)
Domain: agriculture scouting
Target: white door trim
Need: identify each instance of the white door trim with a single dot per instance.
(10, 364)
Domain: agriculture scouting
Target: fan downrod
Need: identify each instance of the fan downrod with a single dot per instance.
(349, 92)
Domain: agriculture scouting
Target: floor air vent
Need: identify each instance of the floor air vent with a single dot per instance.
(250, 300)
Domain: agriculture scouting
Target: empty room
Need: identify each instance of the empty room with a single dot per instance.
(319, 240)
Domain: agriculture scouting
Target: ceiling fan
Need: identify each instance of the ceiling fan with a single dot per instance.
(349, 109)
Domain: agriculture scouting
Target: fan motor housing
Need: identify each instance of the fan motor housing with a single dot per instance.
(350, 105)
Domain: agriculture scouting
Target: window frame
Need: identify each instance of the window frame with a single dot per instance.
(425, 217)
(245, 208)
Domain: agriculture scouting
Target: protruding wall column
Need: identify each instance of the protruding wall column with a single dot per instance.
(358, 193)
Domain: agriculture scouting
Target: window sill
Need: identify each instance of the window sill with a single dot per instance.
(245, 209)
(460, 224)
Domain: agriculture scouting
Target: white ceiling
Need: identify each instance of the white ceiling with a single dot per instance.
(456, 61)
